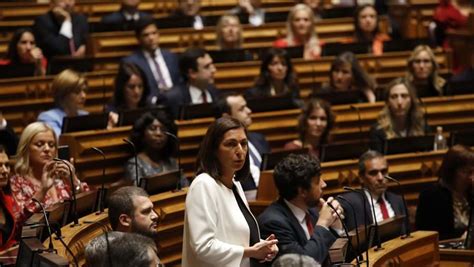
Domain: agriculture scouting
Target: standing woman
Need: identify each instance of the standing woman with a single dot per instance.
(22, 51)
(422, 73)
(69, 88)
(400, 117)
(301, 32)
(445, 206)
(366, 26)
(277, 76)
(37, 174)
(346, 74)
(314, 125)
(219, 228)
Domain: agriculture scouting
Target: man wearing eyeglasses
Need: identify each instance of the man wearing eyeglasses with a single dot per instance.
(373, 168)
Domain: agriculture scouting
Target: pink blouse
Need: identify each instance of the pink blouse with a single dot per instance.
(23, 191)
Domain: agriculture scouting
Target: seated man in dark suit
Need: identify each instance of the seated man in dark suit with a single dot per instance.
(299, 227)
(159, 65)
(188, 14)
(61, 31)
(373, 168)
(198, 72)
(235, 106)
(124, 19)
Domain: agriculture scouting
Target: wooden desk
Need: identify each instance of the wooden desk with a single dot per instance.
(420, 250)
(456, 257)
(170, 208)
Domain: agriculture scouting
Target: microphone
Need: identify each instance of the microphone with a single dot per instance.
(366, 218)
(176, 139)
(359, 120)
(73, 190)
(59, 237)
(359, 255)
(376, 224)
(50, 247)
(134, 149)
(102, 192)
(344, 226)
(407, 220)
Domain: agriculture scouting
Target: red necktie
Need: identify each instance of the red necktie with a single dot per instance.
(383, 208)
(204, 97)
(309, 224)
(72, 46)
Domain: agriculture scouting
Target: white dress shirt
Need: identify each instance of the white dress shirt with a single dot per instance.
(300, 216)
(66, 29)
(196, 95)
(378, 211)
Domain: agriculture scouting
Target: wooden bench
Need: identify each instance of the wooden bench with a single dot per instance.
(279, 127)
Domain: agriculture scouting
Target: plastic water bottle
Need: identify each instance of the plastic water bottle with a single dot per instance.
(439, 140)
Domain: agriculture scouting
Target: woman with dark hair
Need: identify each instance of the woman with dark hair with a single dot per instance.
(10, 221)
(366, 28)
(219, 228)
(346, 74)
(314, 124)
(300, 31)
(155, 151)
(131, 89)
(22, 51)
(277, 76)
(445, 207)
(400, 117)
(422, 73)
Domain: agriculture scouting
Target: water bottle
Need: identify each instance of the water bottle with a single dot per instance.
(439, 140)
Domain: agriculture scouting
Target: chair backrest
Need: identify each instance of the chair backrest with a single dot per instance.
(266, 187)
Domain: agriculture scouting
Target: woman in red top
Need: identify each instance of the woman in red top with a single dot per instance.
(301, 32)
(8, 209)
(366, 28)
(451, 14)
(38, 175)
(22, 50)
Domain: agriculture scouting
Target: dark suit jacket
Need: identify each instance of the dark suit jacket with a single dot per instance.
(260, 142)
(116, 21)
(355, 199)
(138, 58)
(180, 96)
(435, 212)
(279, 220)
(46, 29)
(377, 138)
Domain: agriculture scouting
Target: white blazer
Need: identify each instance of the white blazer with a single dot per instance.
(215, 230)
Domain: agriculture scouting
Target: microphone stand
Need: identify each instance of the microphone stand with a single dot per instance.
(344, 227)
(176, 139)
(359, 255)
(376, 224)
(107, 241)
(366, 216)
(59, 237)
(50, 247)
(407, 220)
(73, 190)
(102, 187)
(132, 145)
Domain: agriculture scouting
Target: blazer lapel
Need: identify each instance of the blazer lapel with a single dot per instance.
(295, 224)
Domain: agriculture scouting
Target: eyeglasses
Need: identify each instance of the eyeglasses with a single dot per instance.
(376, 171)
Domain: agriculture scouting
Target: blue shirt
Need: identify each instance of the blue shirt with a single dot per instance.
(54, 118)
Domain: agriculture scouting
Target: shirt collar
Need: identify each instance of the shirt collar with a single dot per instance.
(298, 212)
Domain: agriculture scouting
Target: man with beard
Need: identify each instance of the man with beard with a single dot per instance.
(373, 168)
(297, 225)
(131, 211)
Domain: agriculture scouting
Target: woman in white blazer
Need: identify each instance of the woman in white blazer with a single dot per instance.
(219, 228)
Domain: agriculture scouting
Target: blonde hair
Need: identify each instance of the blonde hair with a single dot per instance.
(22, 165)
(219, 36)
(434, 78)
(415, 117)
(290, 36)
(65, 83)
